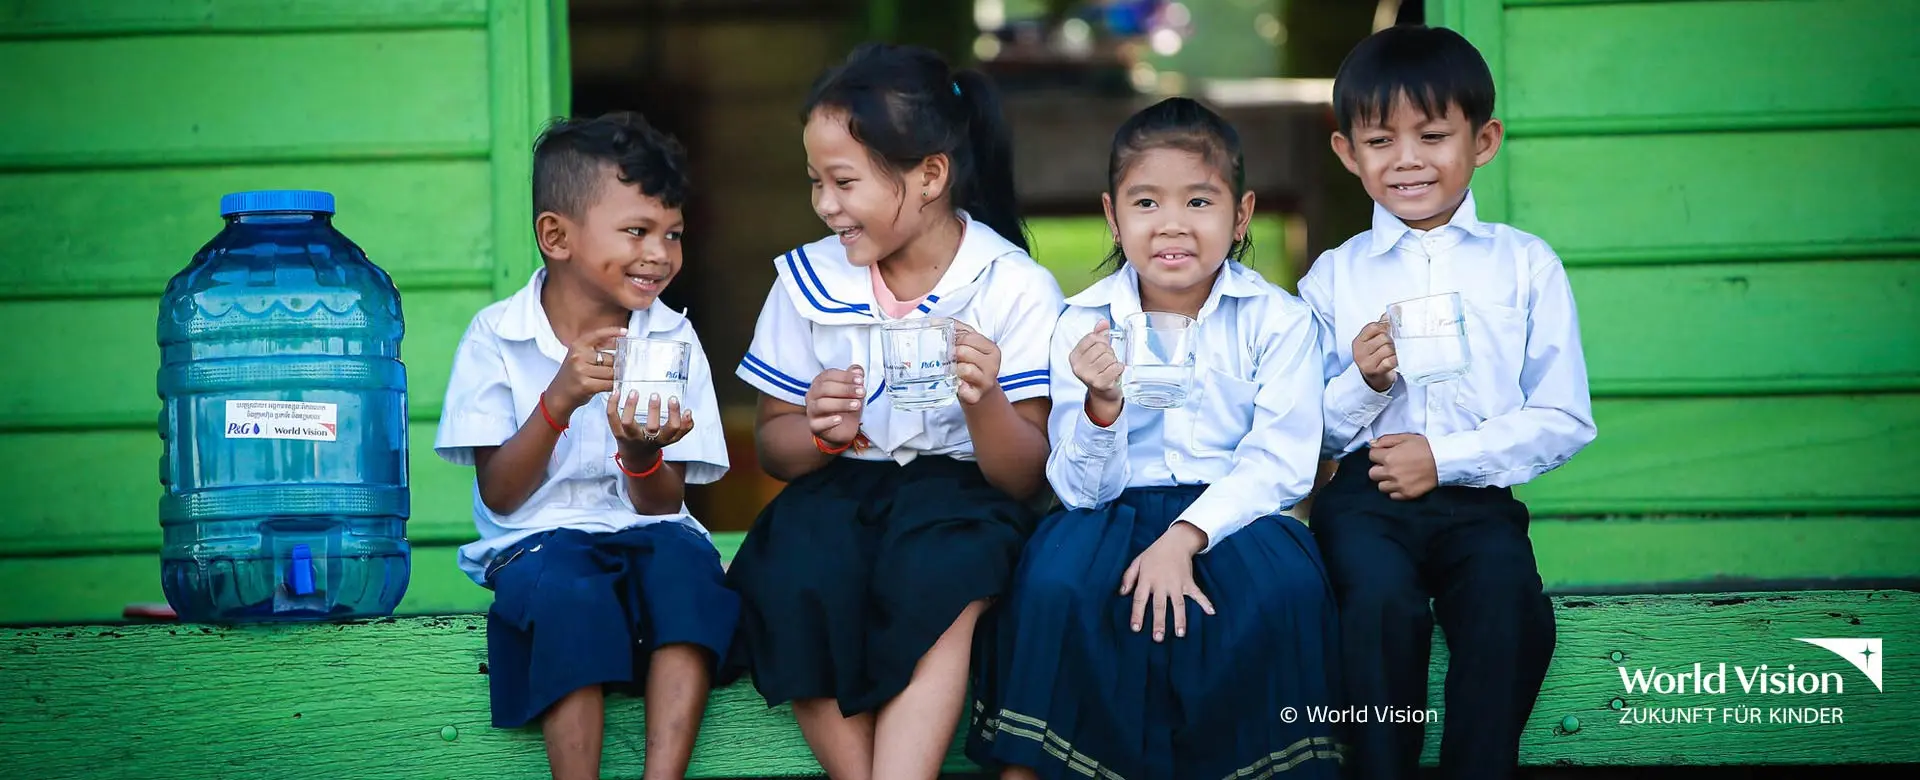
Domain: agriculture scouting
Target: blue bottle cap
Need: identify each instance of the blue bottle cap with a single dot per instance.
(259, 201)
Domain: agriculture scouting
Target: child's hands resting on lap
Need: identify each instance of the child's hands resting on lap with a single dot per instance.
(641, 436)
(834, 401)
(1096, 366)
(976, 364)
(1163, 575)
(1403, 466)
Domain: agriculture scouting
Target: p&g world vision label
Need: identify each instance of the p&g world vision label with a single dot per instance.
(282, 420)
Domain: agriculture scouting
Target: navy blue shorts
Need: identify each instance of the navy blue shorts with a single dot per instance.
(573, 609)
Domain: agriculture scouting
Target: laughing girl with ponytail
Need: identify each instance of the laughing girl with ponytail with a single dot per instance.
(863, 579)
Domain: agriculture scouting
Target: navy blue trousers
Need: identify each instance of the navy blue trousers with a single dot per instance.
(1466, 551)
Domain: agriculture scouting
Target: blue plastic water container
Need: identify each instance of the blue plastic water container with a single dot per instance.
(284, 423)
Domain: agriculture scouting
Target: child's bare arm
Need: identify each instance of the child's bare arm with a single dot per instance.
(785, 433)
(1009, 438)
(510, 473)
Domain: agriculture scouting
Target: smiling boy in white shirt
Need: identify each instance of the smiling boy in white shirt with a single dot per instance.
(1421, 506)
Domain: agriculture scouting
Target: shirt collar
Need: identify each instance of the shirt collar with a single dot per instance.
(827, 289)
(1388, 230)
(526, 320)
(1120, 291)
(979, 247)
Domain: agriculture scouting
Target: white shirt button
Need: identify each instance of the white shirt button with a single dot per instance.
(1173, 457)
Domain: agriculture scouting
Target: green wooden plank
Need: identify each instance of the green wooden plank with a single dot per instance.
(1702, 555)
(520, 84)
(1841, 60)
(408, 697)
(1750, 328)
(1484, 24)
(1715, 196)
(1697, 123)
(1725, 455)
(64, 18)
(185, 98)
(1575, 721)
(560, 57)
(115, 387)
(1576, 556)
(136, 229)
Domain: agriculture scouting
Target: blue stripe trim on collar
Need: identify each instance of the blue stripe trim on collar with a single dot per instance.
(807, 263)
(801, 282)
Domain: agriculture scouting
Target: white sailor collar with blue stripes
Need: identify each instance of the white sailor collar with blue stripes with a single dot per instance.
(827, 289)
(821, 289)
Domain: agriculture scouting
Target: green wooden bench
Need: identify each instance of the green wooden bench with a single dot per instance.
(407, 697)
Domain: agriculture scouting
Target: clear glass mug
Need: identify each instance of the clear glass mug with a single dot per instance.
(1430, 338)
(917, 358)
(1157, 348)
(649, 367)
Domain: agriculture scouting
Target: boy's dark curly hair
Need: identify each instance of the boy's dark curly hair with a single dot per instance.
(570, 154)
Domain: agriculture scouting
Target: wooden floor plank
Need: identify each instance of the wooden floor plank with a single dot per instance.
(407, 697)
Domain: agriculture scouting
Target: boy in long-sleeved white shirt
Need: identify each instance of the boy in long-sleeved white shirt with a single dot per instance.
(1421, 506)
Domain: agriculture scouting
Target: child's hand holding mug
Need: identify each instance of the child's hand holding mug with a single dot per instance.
(1373, 354)
(834, 401)
(1097, 366)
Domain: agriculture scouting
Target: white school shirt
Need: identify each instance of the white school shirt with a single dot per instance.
(507, 358)
(1522, 409)
(821, 314)
(1250, 430)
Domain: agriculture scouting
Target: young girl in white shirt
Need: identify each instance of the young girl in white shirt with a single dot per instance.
(1161, 623)
(862, 581)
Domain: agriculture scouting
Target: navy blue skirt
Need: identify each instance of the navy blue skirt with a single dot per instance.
(853, 571)
(573, 609)
(1063, 685)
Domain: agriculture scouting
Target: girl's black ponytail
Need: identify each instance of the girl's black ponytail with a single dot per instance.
(992, 198)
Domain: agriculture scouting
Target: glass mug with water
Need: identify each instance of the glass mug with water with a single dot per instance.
(917, 356)
(1157, 348)
(649, 367)
(1430, 338)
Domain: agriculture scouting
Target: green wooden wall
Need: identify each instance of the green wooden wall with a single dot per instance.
(124, 121)
(1731, 186)
(1728, 181)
